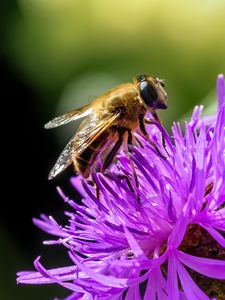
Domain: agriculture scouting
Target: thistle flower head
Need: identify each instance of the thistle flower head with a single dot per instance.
(157, 247)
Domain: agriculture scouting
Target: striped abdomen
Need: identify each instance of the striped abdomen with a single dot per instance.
(85, 159)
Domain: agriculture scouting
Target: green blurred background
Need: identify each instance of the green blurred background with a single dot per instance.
(59, 54)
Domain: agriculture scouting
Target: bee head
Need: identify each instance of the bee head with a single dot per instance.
(152, 91)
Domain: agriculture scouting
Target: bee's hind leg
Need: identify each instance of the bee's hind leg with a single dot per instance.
(97, 191)
(112, 154)
(109, 158)
(156, 118)
(122, 177)
(107, 162)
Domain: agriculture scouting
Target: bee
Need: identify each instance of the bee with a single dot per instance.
(110, 121)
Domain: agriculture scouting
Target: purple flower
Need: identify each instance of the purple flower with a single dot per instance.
(157, 248)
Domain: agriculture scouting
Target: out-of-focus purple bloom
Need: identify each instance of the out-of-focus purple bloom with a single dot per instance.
(123, 249)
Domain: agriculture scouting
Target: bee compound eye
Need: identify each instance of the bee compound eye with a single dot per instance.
(148, 94)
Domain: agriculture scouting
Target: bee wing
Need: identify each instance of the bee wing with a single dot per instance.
(69, 117)
(64, 160)
(90, 131)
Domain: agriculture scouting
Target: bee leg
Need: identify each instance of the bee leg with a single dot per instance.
(156, 117)
(114, 150)
(112, 154)
(97, 192)
(127, 182)
(123, 177)
(130, 142)
(108, 160)
(143, 130)
(138, 142)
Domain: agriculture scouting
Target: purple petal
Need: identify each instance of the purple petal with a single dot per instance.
(150, 292)
(49, 225)
(156, 286)
(215, 234)
(138, 252)
(192, 184)
(220, 90)
(133, 293)
(105, 280)
(218, 145)
(196, 116)
(80, 208)
(76, 182)
(172, 280)
(200, 170)
(179, 230)
(191, 290)
(92, 197)
(50, 278)
(214, 268)
(165, 134)
(64, 274)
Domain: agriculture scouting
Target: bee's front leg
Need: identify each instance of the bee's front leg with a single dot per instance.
(142, 122)
(156, 118)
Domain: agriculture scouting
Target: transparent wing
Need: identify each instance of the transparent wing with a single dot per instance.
(69, 117)
(89, 131)
(64, 160)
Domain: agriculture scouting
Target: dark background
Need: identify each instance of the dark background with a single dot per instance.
(58, 55)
